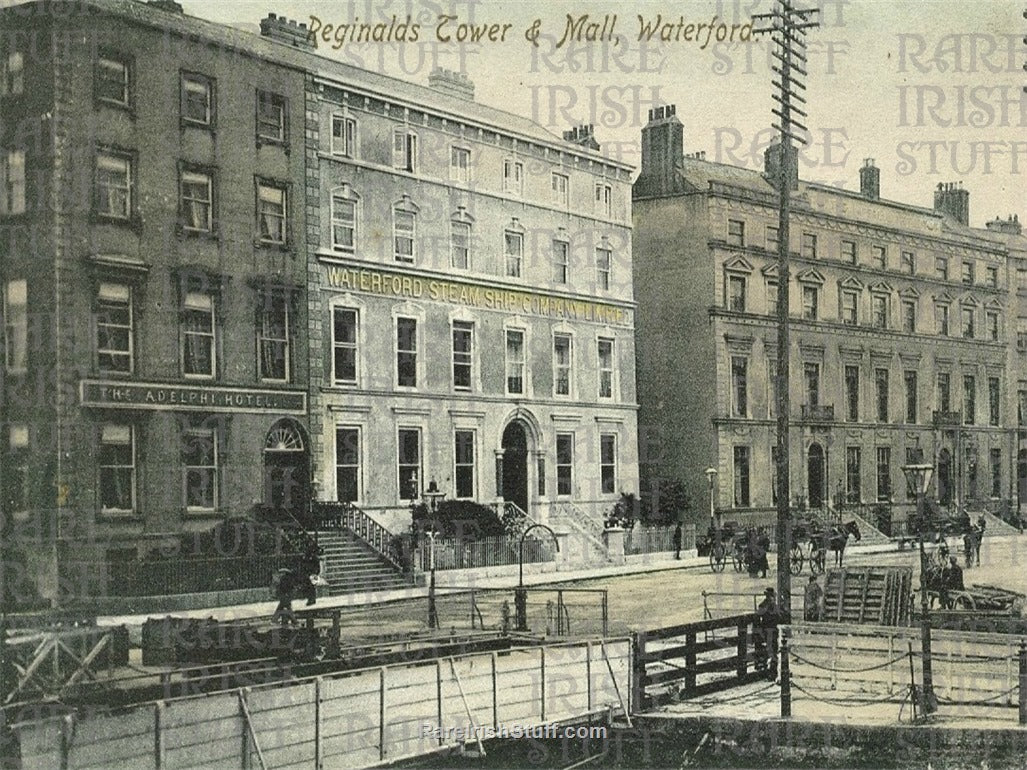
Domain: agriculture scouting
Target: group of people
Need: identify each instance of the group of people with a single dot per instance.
(288, 584)
(972, 539)
(756, 548)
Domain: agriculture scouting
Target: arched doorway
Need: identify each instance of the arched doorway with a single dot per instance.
(515, 464)
(944, 477)
(286, 469)
(1021, 476)
(815, 475)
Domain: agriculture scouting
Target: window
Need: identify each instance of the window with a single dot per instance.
(736, 232)
(117, 466)
(604, 258)
(1021, 342)
(883, 473)
(606, 371)
(344, 346)
(408, 463)
(404, 149)
(809, 245)
(879, 311)
(736, 293)
(198, 342)
(197, 100)
(772, 297)
(741, 477)
(810, 302)
(908, 262)
(344, 223)
(772, 238)
(944, 392)
(562, 363)
(463, 340)
(772, 389)
(271, 208)
(513, 245)
(1021, 407)
(347, 464)
(991, 277)
(113, 81)
(561, 255)
(852, 393)
(12, 82)
(941, 319)
(271, 117)
(114, 186)
(459, 164)
(967, 326)
(561, 189)
(911, 396)
(739, 386)
(994, 401)
(995, 457)
(850, 305)
(16, 325)
(811, 379)
(967, 276)
(406, 352)
(604, 199)
(941, 268)
(273, 337)
(608, 463)
(881, 388)
(460, 244)
(16, 470)
(114, 344)
(197, 201)
(969, 400)
(344, 136)
(909, 315)
(991, 317)
(849, 252)
(914, 455)
(853, 461)
(880, 257)
(404, 225)
(200, 461)
(564, 464)
(12, 182)
(513, 177)
(463, 461)
(514, 361)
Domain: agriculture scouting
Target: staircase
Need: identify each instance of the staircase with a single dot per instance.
(876, 595)
(352, 566)
(995, 525)
(586, 534)
(871, 535)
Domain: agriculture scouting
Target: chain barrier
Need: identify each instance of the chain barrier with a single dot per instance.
(875, 667)
(890, 698)
(981, 701)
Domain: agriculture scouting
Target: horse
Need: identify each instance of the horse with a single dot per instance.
(834, 538)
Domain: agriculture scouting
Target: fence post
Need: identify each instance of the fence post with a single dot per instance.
(786, 683)
(1023, 682)
(381, 713)
(606, 613)
(318, 748)
(743, 649)
(690, 664)
(159, 754)
(495, 690)
(638, 671)
(542, 679)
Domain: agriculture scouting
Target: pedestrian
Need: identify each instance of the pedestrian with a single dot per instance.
(763, 543)
(813, 600)
(969, 547)
(951, 580)
(981, 524)
(283, 584)
(310, 568)
(677, 541)
(765, 634)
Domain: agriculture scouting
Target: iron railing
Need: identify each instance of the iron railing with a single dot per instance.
(492, 551)
(333, 515)
(659, 539)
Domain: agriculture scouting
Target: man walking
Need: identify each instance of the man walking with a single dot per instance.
(765, 634)
(677, 541)
(813, 600)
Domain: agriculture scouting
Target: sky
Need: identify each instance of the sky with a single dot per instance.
(930, 91)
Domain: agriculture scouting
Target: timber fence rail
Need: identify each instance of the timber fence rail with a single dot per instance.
(346, 720)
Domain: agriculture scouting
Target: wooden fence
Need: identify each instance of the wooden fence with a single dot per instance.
(347, 720)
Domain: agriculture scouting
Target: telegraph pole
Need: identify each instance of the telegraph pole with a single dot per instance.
(787, 27)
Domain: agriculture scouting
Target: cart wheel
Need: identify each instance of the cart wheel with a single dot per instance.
(717, 557)
(965, 602)
(795, 560)
(816, 561)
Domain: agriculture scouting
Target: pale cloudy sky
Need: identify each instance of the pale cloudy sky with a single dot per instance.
(928, 88)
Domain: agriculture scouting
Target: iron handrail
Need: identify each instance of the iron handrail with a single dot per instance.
(347, 516)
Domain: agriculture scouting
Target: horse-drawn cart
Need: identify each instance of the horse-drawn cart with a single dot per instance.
(988, 598)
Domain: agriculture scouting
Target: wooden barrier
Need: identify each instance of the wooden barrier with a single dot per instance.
(353, 719)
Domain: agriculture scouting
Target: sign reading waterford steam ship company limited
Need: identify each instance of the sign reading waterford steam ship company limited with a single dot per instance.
(162, 396)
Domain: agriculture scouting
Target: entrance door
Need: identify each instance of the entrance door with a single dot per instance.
(286, 471)
(515, 465)
(815, 475)
(944, 477)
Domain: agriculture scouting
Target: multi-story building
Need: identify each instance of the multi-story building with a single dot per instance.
(235, 271)
(901, 327)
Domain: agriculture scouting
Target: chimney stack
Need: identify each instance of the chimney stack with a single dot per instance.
(287, 31)
(870, 180)
(583, 135)
(1010, 226)
(953, 200)
(663, 140)
(772, 165)
(452, 83)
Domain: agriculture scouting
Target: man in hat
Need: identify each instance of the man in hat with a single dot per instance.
(765, 634)
(813, 600)
(283, 585)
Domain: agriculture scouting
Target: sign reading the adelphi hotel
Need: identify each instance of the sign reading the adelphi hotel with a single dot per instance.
(162, 396)
(474, 295)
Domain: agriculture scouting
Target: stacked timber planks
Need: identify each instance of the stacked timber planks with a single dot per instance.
(879, 595)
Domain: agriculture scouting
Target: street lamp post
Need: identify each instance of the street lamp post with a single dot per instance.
(711, 474)
(919, 477)
(433, 496)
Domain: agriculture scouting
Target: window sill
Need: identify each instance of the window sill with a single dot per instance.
(132, 222)
(283, 247)
(120, 517)
(185, 123)
(114, 373)
(100, 103)
(263, 141)
(202, 513)
(187, 232)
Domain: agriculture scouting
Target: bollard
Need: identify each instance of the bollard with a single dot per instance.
(786, 684)
(1023, 682)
